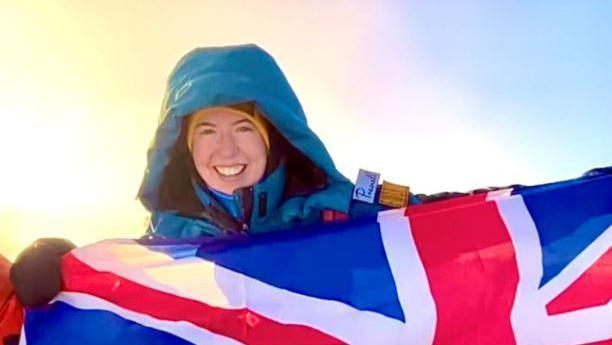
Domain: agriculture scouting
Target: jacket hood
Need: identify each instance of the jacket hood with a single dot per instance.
(222, 76)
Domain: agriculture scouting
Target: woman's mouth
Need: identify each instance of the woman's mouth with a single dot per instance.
(229, 170)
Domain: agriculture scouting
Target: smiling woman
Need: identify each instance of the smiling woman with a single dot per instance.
(229, 147)
(233, 153)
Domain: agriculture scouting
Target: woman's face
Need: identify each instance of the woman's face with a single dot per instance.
(228, 151)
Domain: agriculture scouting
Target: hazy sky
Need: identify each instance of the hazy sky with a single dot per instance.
(439, 96)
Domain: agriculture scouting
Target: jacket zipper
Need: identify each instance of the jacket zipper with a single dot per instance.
(245, 203)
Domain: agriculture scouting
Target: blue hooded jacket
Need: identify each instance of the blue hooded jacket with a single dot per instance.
(224, 76)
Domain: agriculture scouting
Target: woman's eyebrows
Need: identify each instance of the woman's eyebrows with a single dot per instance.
(241, 121)
(206, 123)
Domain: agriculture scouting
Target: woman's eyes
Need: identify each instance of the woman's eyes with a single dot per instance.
(207, 131)
(239, 129)
(244, 129)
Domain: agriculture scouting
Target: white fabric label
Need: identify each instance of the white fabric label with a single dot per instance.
(366, 185)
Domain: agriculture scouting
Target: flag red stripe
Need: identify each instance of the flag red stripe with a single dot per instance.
(593, 288)
(472, 271)
(241, 324)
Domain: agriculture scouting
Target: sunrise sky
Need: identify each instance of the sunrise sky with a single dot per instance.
(435, 96)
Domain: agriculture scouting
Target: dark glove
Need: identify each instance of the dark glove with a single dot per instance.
(36, 274)
(11, 340)
(423, 198)
(598, 172)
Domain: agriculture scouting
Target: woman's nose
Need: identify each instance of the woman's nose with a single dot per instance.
(227, 146)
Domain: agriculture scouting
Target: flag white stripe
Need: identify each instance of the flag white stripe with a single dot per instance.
(22, 336)
(182, 329)
(579, 265)
(530, 321)
(410, 278)
(157, 270)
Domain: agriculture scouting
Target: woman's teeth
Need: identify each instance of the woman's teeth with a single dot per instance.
(230, 170)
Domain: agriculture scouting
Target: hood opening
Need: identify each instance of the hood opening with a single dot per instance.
(303, 176)
(176, 191)
(177, 194)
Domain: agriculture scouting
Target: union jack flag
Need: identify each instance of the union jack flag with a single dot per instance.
(526, 266)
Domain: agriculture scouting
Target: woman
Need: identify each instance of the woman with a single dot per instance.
(233, 154)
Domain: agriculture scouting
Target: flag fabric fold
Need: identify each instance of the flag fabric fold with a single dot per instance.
(531, 265)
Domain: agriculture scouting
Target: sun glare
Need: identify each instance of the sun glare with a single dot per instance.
(61, 174)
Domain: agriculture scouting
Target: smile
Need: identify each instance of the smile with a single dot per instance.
(230, 170)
